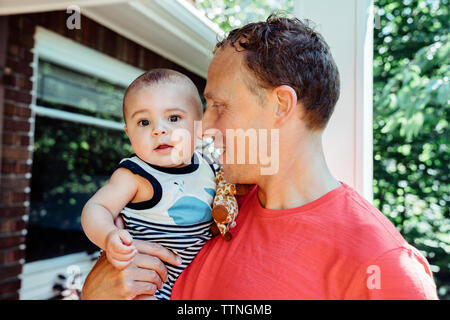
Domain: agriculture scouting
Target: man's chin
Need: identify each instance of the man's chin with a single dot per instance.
(229, 174)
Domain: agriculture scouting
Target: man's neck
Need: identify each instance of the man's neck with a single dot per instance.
(303, 177)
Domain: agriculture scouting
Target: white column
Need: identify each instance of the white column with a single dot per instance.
(347, 26)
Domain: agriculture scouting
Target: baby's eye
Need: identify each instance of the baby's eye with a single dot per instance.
(174, 118)
(143, 123)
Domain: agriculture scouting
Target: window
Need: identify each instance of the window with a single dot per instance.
(65, 89)
(71, 159)
(78, 141)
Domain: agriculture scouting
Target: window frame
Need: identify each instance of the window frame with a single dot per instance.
(57, 49)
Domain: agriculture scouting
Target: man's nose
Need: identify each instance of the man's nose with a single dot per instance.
(209, 130)
(207, 123)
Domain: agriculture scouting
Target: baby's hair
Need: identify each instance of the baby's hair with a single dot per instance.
(161, 76)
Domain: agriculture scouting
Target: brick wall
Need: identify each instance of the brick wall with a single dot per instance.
(17, 135)
(16, 154)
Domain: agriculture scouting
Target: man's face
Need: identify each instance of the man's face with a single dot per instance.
(231, 105)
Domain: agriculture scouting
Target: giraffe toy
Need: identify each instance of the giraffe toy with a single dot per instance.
(225, 207)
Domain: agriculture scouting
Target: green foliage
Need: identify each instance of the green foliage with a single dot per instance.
(230, 14)
(411, 133)
(71, 161)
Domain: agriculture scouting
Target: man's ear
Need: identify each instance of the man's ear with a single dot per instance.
(286, 101)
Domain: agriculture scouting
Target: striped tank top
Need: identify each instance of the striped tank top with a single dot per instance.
(178, 216)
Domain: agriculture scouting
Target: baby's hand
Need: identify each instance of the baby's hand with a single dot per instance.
(119, 248)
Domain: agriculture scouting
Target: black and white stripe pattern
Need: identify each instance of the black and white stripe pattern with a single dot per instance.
(185, 240)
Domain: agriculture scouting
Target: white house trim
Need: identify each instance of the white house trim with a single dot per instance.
(364, 98)
(27, 6)
(38, 277)
(80, 118)
(173, 29)
(347, 26)
(66, 52)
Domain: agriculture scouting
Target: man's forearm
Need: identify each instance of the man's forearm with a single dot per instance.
(99, 284)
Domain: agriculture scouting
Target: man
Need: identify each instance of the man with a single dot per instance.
(300, 233)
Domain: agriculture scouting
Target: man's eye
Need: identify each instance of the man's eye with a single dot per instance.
(174, 118)
(143, 123)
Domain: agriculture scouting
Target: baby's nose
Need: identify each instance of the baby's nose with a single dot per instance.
(159, 131)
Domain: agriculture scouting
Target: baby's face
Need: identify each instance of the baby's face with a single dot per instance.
(160, 123)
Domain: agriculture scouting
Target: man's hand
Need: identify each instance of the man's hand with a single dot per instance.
(140, 279)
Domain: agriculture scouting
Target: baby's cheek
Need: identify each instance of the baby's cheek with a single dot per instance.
(183, 138)
(143, 148)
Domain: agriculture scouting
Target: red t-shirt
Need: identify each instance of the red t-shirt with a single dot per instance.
(336, 247)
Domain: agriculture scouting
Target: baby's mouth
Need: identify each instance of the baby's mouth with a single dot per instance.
(163, 146)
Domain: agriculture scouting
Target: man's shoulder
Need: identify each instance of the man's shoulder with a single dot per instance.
(368, 229)
(358, 212)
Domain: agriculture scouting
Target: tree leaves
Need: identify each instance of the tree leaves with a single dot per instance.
(411, 134)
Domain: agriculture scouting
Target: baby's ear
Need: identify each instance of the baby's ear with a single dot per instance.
(126, 129)
(242, 189)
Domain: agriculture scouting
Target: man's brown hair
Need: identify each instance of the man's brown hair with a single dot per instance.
(287, 51)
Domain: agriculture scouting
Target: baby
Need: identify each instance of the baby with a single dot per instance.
(164, 192)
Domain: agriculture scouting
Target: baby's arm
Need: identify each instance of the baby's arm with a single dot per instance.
(100, 212)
